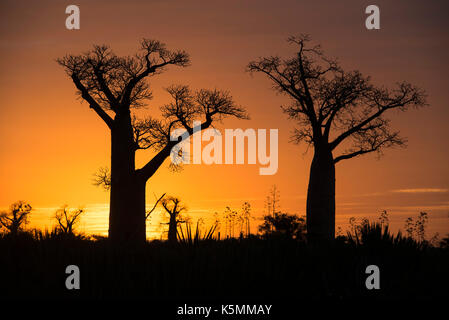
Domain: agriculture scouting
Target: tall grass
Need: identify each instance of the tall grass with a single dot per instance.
(377, 235)
(33, 265)
(188, 238)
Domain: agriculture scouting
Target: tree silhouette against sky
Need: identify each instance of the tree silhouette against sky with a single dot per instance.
(113, 86)
(174, 208)
(68, 218)
(16, 218)
(340, 114)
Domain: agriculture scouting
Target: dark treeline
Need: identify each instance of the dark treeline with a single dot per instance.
(248, 267)
(267, 265)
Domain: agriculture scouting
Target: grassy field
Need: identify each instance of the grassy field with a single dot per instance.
(33, 265)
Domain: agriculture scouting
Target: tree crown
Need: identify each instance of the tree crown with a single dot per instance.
(117, 83)
(332, 105)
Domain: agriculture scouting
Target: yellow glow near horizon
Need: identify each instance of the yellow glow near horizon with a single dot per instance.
(51, 144)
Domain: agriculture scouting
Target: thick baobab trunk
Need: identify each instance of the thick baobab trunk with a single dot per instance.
(321, 196)
(127, 202)
(173, 229)
(127, 211)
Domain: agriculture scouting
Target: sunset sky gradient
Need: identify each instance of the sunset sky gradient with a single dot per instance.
(51, 143)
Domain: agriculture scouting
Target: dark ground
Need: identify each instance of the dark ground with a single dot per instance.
(239, 269)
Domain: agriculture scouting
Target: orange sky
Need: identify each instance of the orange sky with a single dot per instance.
(51, 144)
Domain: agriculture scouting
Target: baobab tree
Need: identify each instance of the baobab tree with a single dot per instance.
(340, 114)
(16, 218)
(113, 86)
(174, 208)
(67, 219)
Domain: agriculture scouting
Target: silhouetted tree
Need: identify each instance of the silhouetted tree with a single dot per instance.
(102, 178)
(67, 219)
(283, 224)
(113, 86)
(334, 109)
(174, 208)
(16, 218)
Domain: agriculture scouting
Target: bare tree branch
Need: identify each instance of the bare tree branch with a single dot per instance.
(206, 106)
(109, 82)
(155, 57)
(148, 213)
(331, 105)
(103, 178)
(16, 218)
(67, 219)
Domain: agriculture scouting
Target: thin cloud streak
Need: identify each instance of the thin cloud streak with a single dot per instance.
(421, 190)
